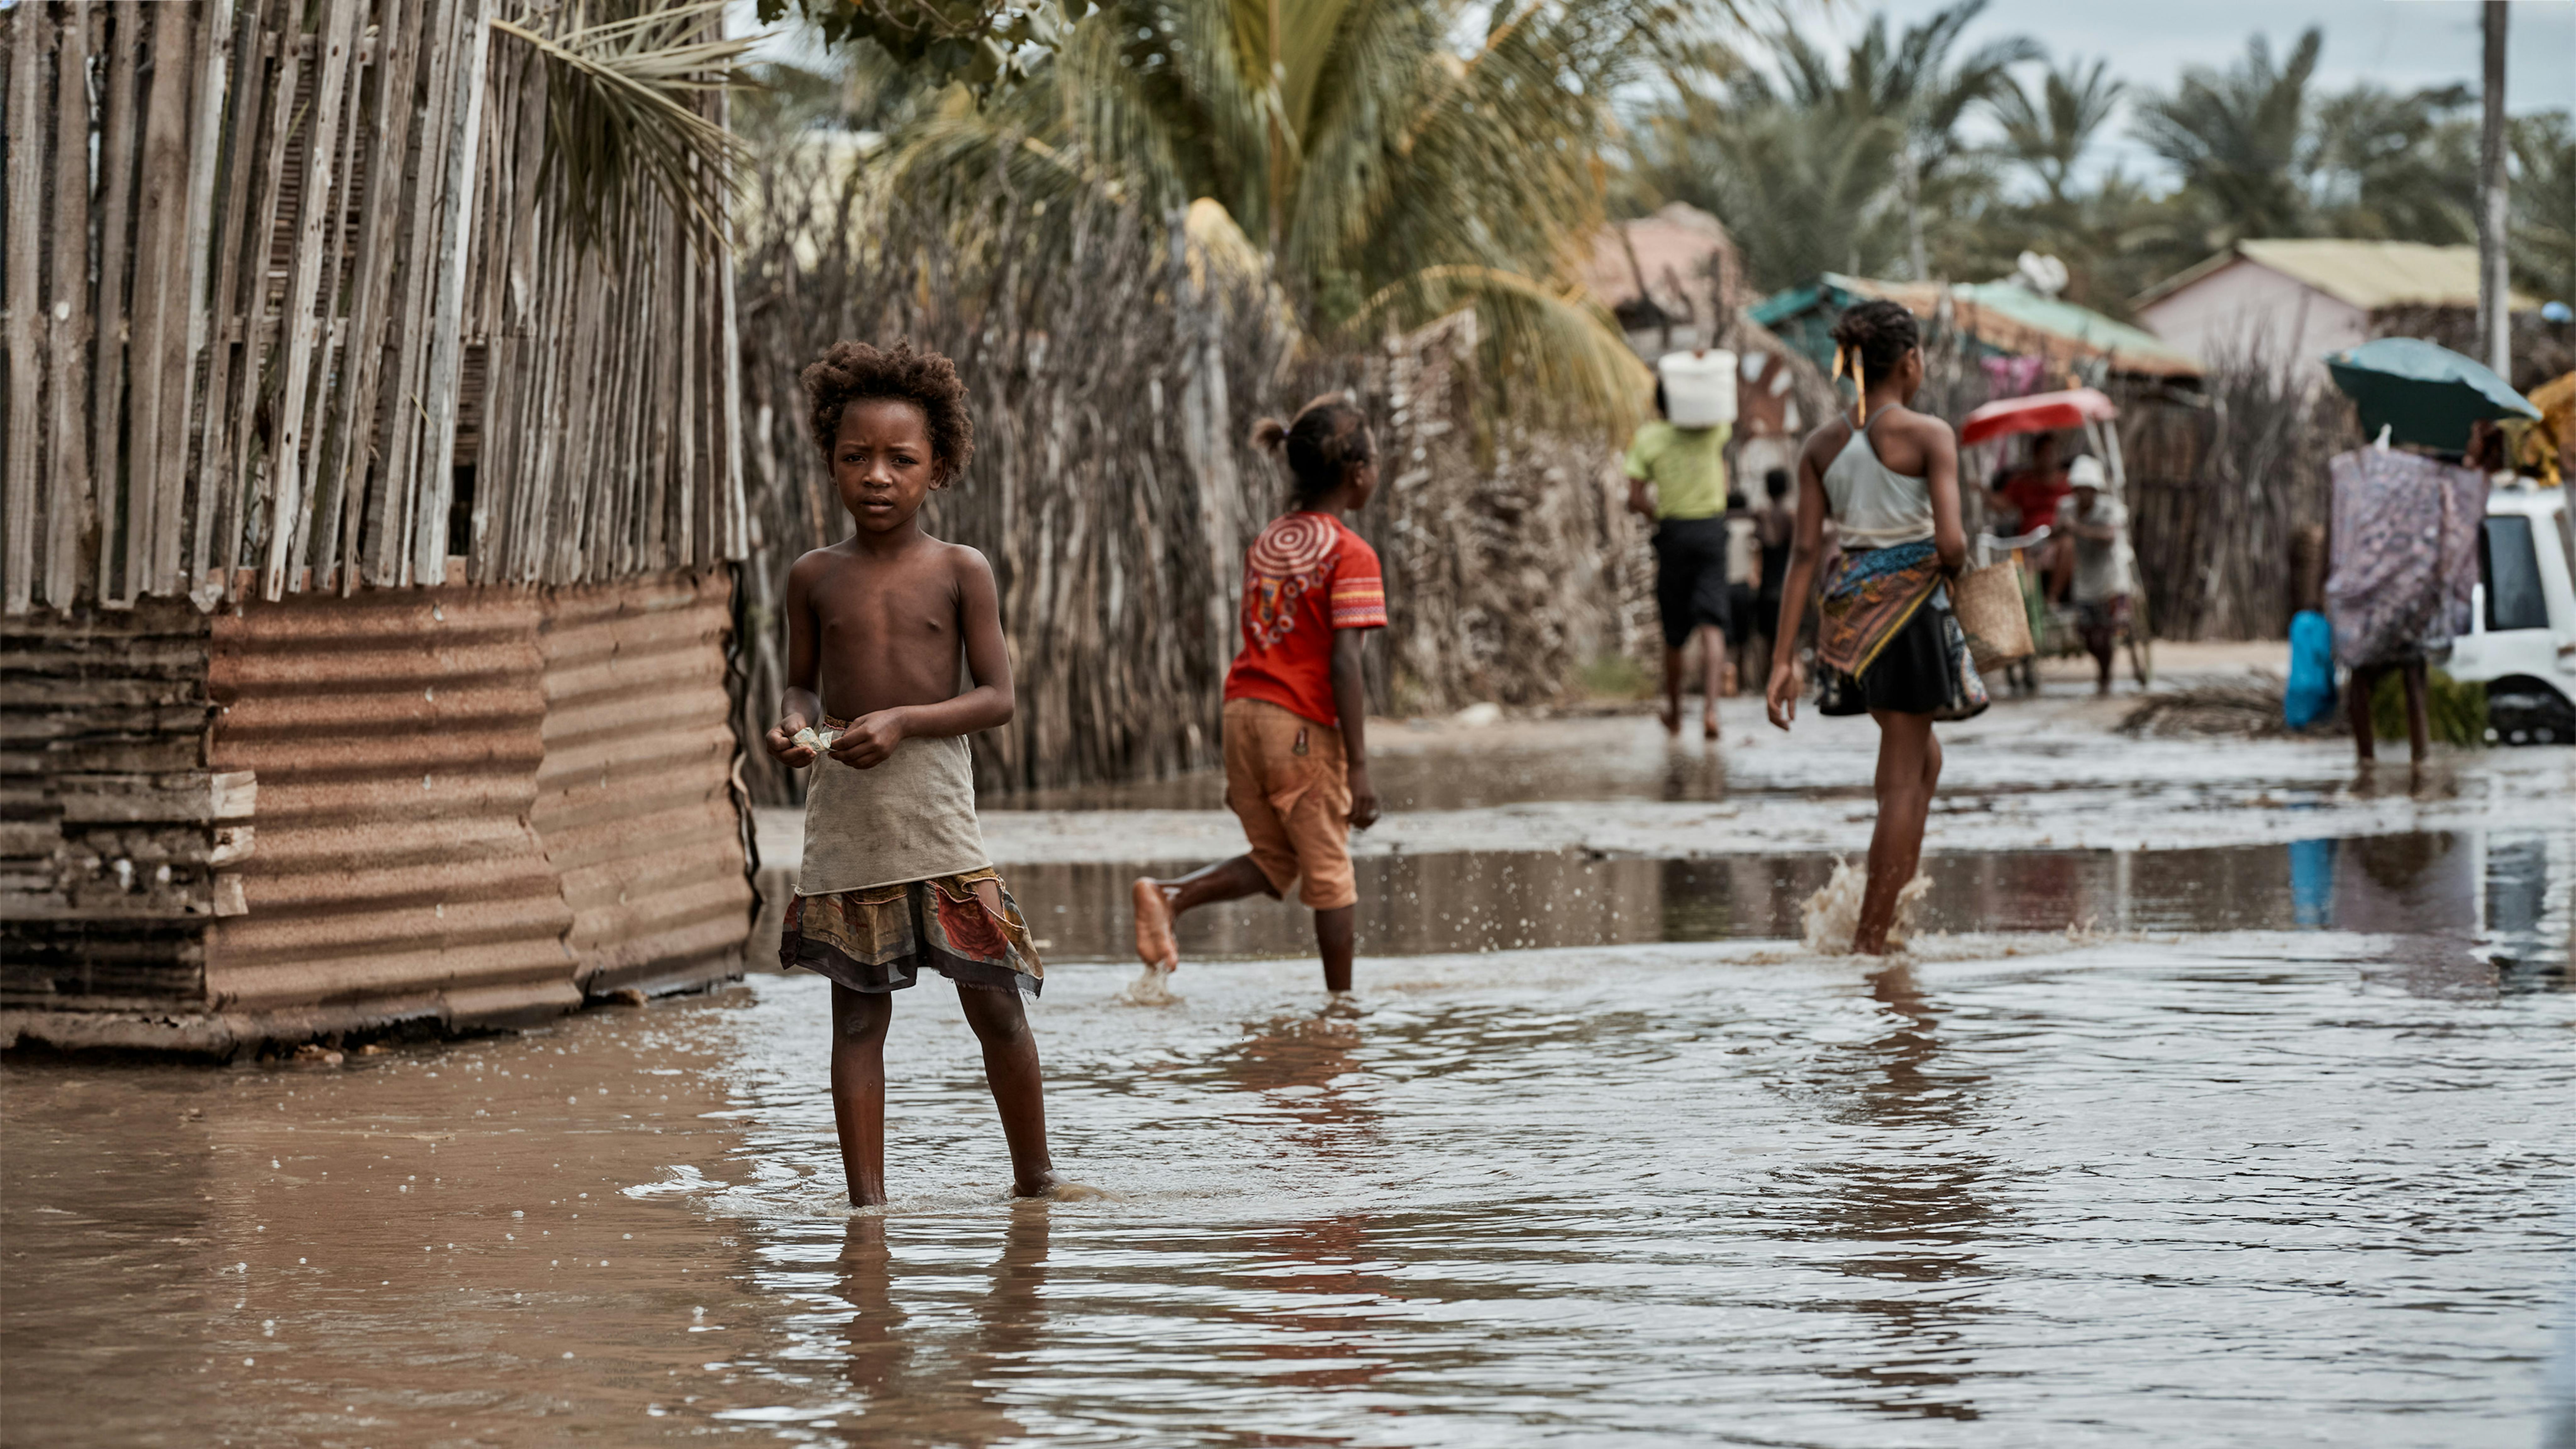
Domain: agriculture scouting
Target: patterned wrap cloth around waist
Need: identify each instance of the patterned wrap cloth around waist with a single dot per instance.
(1869, 597)
(879, 939)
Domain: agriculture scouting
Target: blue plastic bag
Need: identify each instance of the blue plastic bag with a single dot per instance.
(2311, 692)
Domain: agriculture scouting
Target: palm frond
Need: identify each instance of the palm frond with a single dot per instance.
(622, 114)
(1559, 357)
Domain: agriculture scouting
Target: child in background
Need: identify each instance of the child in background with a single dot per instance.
(1296, 757)
(895, 877)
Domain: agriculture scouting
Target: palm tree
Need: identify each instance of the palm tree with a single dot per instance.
(2050, 134)
(1838, 163)
(1389, 174)
(2240, 138)
(2543, 229)
(2397, 166)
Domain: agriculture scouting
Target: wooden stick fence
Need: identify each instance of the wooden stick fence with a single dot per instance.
(310, 322)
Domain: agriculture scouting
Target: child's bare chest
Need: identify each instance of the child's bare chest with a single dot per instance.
(897, 609)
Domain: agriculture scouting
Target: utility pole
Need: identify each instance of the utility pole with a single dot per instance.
(2495, 279)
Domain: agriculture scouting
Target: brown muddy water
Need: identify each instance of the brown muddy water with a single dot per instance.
(2246, 1187)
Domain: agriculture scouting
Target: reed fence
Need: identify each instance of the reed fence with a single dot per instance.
(1116, 371)
(290, 305)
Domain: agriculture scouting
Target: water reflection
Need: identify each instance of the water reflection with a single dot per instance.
(912, 1391)
(2489, 910)
(1915, 1214)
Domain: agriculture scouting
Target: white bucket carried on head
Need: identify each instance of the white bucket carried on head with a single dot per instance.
(1699, 387)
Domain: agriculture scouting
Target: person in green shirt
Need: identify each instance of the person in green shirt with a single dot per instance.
(1677, 476)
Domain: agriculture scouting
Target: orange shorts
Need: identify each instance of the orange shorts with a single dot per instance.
(1284, 780)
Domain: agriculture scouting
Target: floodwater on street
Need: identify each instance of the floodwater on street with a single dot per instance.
(2249, 1142)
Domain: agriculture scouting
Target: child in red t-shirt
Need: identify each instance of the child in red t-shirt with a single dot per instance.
(1296, 762)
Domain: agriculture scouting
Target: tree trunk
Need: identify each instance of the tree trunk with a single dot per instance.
(2495, 279)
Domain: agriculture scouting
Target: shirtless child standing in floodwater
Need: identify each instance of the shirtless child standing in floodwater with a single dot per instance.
(895, 876)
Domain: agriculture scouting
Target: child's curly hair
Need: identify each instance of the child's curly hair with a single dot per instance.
(853, 371)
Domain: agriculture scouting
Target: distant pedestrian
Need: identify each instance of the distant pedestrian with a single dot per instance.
(2033, 490)
(895, 877)
(1743, 584)
(1775, 525)
(1677, 476)
(2095, 524)
(1296, 710)
(1885, 635)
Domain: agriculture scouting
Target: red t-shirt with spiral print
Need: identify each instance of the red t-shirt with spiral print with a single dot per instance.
(1304, 577)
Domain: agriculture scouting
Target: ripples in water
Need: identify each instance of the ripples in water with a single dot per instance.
(2232, 1189)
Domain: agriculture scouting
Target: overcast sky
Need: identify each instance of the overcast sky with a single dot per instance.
(2401, 44)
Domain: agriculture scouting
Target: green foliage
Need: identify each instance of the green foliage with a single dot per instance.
(1849, 161)
(2543, 237)
(981, 43)
(1849, 158)
(1616, 676)
(1391, 161)
(2456, 711)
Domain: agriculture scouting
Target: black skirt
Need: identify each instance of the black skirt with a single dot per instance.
(1917, 673)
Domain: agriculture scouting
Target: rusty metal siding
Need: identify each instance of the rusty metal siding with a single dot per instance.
(464, 806)
(634, 799)
(396, 737)
(107, 826)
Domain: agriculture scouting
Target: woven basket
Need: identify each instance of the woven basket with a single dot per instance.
(1989, 604)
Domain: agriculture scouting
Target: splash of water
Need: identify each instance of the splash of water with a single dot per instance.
(1152, 987)
(1832, 915)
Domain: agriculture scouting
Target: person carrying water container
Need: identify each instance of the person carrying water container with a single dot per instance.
(1676, 468)
(1885, 637)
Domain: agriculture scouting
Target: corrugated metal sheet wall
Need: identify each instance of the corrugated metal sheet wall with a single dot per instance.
(107, 810)
(635, 795)
(397, 738)
(473, 807)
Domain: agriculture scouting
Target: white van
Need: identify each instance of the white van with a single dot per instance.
(2521, 642)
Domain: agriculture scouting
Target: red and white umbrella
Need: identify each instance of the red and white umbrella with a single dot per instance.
(2042, 412)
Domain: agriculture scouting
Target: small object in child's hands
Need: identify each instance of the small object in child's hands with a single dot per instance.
(819, 741)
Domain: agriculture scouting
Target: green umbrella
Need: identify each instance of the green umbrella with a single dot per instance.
(2423, 394)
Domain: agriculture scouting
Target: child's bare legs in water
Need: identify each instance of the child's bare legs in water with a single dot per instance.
(1159, 904)
(1909, 768)
(859, 1020)
(1712, 659)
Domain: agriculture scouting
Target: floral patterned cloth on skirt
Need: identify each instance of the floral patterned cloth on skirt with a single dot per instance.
(879, 938)
(2405, 554)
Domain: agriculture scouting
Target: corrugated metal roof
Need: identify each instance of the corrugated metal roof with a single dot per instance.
(1997, 315)
(634, 798)
(2367, 274)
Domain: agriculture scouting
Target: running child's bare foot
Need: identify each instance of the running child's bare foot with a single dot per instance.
(1669, 715)
(1052, 1188)
(1708, 726)
(1154, 942)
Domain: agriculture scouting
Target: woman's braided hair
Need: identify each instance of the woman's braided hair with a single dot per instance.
(1328, 436)
(1874, 336)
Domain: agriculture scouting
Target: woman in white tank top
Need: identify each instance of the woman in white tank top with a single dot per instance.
(1891, 485)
